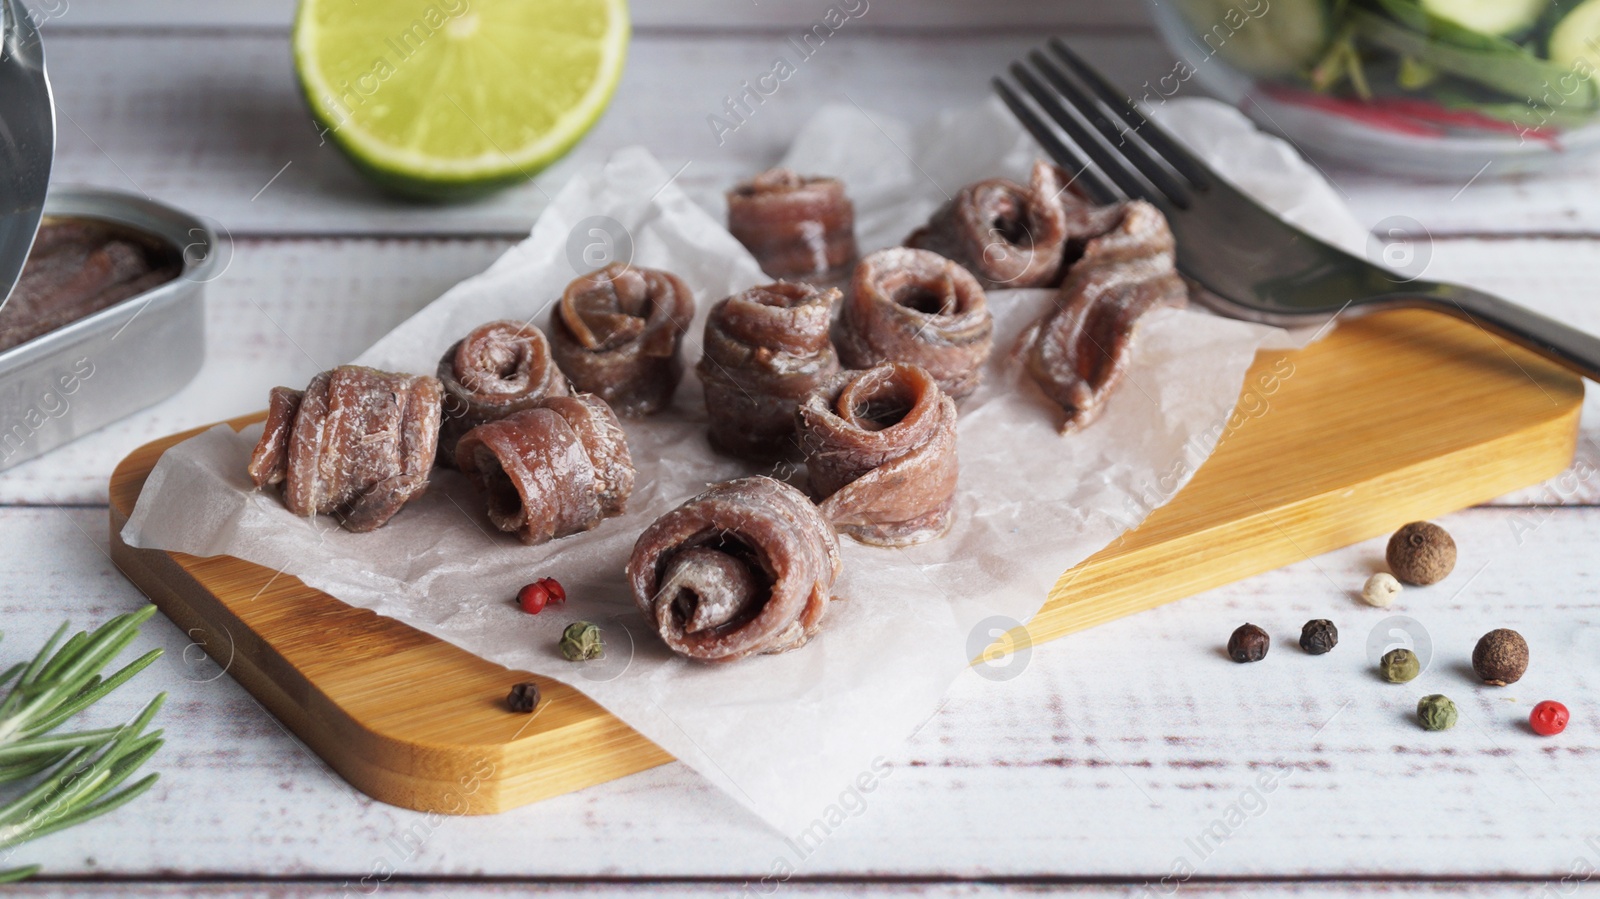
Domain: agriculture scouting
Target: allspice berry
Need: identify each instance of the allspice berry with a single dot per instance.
(1318, 636)
(1248, 644)
(1399, 666)
(1501, 657)
(1436, 712)
(1421, 553)
(524, 697)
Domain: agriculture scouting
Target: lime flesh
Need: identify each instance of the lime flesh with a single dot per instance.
(456, 97)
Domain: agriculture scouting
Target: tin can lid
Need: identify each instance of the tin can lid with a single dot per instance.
(27, 139)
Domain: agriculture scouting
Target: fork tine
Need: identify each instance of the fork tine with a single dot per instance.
(1152, 169)
(1152, 134)
(1109, 161)
(1093, 184)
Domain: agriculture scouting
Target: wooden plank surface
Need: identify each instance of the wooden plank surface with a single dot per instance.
(141, 121)
(648, 15)
(197, 100)
(1107, 751)
(407, 719)
(267, 324)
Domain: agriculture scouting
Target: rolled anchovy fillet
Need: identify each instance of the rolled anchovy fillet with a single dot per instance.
(1079, 352)
(799, 229)
(765, 349)
(555, 470)
(919, 307)
(1005, 234)
(880, 450)
(498, 369)
(357, 444)
(746, 567)
(616, 333)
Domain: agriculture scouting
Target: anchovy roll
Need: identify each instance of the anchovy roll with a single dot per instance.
(919, 307)
(616, 332)
(357, 444)
(880, 449)
(1080, 350)
(557, 469)
(797, 228)
(1006, 234)
(498, 369)
(765, 349)
(746, 567)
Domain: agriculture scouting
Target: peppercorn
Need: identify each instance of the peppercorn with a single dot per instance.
(1318, 636)
(534, 597)
(1248, 644)
(1380, 590)
(1436, 712)
(1501, 657)
(581, 642)
(524, 697)
(1421, 553)
(1399, 666)
(1548, 718)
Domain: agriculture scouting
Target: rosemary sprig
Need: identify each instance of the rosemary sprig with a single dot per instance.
(83, 771)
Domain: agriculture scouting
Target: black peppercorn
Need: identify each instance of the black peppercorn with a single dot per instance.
(1318, 636)
(524, 697)
(1248, 644)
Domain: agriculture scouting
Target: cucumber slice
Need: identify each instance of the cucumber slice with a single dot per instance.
(1515, 72)
(1575, 41)
(1497, 17)
(1281, 39)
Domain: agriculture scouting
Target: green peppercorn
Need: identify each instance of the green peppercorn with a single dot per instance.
(581, 642)
(1436, 712)
(1318, 636)
(1399, 666)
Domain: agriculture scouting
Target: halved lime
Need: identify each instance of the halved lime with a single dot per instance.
(443, 98)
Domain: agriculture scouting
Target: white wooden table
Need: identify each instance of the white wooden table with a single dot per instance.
(1107, 764)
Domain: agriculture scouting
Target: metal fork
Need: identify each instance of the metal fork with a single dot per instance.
(1255, 265)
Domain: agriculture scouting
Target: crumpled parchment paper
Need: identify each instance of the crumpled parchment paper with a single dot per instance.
(782, 734)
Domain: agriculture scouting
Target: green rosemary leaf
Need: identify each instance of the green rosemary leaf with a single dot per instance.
(17, 874)
(11, 672)
(79, 775)
(94, 692)
(81, 815)
(68, 652)
(20, 770)
(22, 749)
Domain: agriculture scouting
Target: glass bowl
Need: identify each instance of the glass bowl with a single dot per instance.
(1442, 90)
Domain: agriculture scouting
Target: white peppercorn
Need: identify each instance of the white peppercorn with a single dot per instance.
(1381, 590)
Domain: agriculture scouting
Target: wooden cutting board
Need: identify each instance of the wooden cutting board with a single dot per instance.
(1391, 418)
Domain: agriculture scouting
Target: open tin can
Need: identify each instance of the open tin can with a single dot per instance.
(129, 355)
(91, 337)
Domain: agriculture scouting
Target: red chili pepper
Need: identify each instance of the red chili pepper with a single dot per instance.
(1464, 118)
(1354, 110)
(1407, 115)
(534, 597)
(1549, 718)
